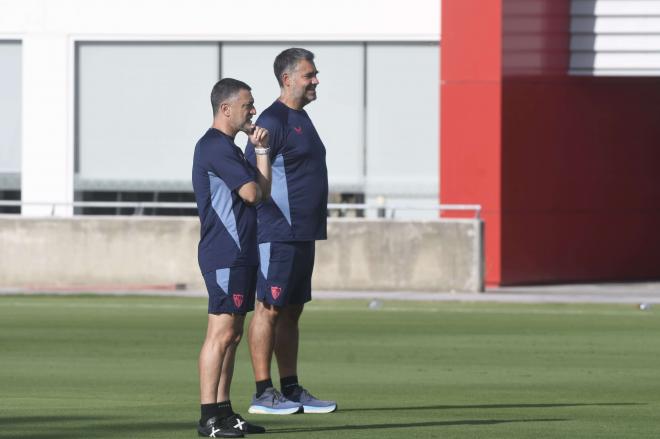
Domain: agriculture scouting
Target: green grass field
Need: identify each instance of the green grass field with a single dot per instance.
(125, 367)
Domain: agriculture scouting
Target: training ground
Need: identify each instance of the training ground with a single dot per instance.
(125, 367)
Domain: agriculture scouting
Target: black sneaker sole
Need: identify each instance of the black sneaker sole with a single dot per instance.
(255, 429)
(220, 433)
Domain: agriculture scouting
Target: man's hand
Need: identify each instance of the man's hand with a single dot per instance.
(259, 137)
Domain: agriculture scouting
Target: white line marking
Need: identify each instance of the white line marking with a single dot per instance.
(323, 308)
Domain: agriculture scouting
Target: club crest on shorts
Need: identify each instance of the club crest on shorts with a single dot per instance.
(238, 300)
(275, 292)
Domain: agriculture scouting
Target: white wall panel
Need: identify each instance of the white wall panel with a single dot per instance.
(50, 29)
(223, 20)
(46, 124)
(10, 107)
(338, 112)
(615, 37)
(403, 120)
(141, 108)
(615, 43)
(604, 61)
(615, 25)
(615, 7)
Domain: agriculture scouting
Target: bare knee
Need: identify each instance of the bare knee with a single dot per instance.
(225, 335)
(267, 313)
(235, 337)
(224, 338)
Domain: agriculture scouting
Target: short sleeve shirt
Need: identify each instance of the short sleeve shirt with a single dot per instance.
(298, 207)
(228, 225)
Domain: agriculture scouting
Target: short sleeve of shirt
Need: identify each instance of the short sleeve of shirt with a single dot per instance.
(230, 165)
(276, 137)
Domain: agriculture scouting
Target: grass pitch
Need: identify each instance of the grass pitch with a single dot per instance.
(125, 367)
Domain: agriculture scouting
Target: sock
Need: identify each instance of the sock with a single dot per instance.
(289, 384)
(208, 411)
(224, 409)
(263, 385)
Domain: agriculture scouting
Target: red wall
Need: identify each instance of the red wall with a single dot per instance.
(581, 183)
(566, 167)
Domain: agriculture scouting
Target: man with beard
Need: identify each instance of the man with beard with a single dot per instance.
(289, 223)
(227, 187)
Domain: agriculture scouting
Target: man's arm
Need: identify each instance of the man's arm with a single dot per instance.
(251, 192)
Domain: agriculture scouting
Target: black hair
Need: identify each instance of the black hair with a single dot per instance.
(288, 59)
(224, 90)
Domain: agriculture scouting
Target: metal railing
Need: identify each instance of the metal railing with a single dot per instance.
(383, 210)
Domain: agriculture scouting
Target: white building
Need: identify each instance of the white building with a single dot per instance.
(103, 98)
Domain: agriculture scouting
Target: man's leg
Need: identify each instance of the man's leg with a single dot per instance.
(227, 371)
(225, 409)
(261, 336)
(222, 335)
(287, 333)
(286, 340)
(229, 300)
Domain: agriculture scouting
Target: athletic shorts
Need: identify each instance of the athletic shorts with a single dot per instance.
(231, 290)
(285, 272)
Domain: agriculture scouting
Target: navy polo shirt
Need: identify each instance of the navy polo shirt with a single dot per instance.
(228, 225)
(298, 207)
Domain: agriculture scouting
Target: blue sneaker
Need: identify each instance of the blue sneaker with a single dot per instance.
(272, 402)
(310, 403)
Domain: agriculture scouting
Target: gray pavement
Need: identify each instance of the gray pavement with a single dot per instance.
(627, 293)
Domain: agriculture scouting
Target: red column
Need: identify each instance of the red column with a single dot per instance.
(470, 126)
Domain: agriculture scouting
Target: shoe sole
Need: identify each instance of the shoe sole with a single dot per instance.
(312, 409)
(261, 410)
(235, 435)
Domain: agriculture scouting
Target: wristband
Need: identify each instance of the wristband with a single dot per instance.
(262, 151)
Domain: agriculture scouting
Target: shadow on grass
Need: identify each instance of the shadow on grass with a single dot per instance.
(489, 406)
(73, 427)
(36, 420)
(408, 425)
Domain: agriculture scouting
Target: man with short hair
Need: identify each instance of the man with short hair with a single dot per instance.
(289, 223)
(227, 187)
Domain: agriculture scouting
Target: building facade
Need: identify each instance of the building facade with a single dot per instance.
(542, 111)
(105, 99)
(550, 121)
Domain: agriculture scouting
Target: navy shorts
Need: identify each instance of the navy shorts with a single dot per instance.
(231, 290)
(285, 272)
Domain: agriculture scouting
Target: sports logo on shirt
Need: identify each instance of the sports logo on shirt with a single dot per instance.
(298, 130)
(238, 299)
(275, 292)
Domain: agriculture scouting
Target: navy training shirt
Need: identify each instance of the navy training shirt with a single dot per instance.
(298, 207)
(228, 225)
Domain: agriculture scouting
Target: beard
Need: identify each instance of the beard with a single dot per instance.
(247, 127)
(307, 95)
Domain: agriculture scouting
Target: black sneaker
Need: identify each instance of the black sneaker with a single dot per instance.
(216, 427)
(237, 422)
